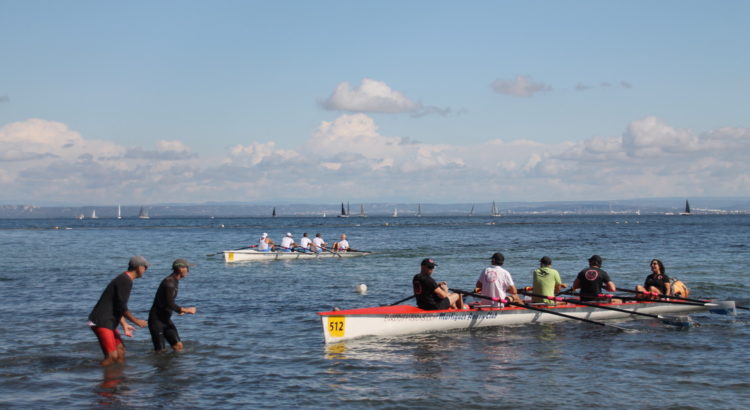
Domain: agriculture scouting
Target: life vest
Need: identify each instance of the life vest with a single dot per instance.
(679, 288)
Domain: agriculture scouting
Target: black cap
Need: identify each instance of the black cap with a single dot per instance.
(595, 260)
(546, 260)
(429, 263)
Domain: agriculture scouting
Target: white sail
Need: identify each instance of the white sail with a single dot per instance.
(119, 212)
(471, 212)
(362, 212)
(395, 212)
(494, 211)
(419, 210)
(93, 214)
(143, 214)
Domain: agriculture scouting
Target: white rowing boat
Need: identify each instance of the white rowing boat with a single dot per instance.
(246, 255)
(405, 319)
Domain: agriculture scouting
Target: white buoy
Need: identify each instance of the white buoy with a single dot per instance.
(361, 289)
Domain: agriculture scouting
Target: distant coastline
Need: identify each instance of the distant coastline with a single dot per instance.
(738, 205)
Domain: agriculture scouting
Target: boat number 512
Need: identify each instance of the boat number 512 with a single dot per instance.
(336, 326)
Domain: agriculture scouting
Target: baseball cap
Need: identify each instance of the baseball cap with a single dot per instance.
(429, 263)
(596, 260)
(137, 261)
(289, 234)
(264, 235)
(179, 263)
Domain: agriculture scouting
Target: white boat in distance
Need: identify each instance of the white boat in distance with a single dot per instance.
(249, 255)
(494, 211)
(405, 319)
(143, 214)
(93, 214)
(395, 212)
(119, 212)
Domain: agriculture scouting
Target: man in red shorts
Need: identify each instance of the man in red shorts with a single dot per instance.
(112, 310)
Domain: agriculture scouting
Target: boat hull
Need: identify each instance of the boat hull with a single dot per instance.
(404, 319)
(249, 255)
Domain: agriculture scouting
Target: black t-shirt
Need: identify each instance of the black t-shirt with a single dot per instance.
(424, 288)
(591, 281)
(657, 280)
(164, 301)
(113, 303)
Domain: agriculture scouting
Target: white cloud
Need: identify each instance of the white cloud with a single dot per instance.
(349, 157)
(521, 86)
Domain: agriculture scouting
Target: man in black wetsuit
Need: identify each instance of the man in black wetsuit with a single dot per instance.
(432, 295)
(160, 317)
(112, 309)
(591, 279)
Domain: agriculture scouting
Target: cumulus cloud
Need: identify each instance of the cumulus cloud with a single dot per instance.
(372, 96)
(521, 86)
(350, 157)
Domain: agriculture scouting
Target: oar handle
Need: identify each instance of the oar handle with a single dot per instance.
(536, 295)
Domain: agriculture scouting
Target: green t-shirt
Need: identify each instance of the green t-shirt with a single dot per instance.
(545, 280)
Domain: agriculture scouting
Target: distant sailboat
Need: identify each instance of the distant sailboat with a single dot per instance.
(362, 213)
(119, 212)
(419, 210)
(93, 214)
(471, 212)
(324, 214)
(273, 213)
(395, 212)
(687, 208)
(494, 211)
(143, 214)
(80, 216)
(343, 213)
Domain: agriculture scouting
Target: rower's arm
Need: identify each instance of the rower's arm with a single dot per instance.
(478, 287)
(611, 286)
(442, 290)
(576, 284)
(668, 288)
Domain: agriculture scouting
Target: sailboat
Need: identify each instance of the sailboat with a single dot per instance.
(80, 216)
(419, 210)
(471, 212)
(687, 208)
(395, 212)
(494, 211)
(143, 214)
(119, 212)
(93, 214)
(343, 213)
(362, 213)
(273, 213)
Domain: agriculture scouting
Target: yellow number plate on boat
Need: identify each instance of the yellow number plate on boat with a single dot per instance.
(336, 326)
(230, 256)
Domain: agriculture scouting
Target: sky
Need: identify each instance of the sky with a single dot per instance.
(146, 102)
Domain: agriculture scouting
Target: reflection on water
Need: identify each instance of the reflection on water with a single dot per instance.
(109, 388)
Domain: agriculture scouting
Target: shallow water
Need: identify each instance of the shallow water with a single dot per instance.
(257, 342)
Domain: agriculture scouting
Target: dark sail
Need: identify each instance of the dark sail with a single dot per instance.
(687, 207)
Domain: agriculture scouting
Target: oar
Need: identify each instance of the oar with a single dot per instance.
(238, 249)
(402, 300)
(662, 296)
(669, 320)
(542, 310)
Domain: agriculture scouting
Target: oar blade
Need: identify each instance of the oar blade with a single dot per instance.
(725, 307)
(679, 321)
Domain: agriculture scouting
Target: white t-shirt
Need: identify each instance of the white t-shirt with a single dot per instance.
(305, 242)
(287, 242)
(262, 244)
(495, 281)
(343, 245)
(318, 242)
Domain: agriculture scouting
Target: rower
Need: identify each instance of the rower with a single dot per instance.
(304, 243)
(546, 281)
(342, 245)
(658, 283)
(287, 243)
(265, 243)
(495, 282)
(432, 295)
(591, 279)
(318, 243)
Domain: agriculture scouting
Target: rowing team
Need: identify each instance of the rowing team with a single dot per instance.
(496, 284)
(287, 244)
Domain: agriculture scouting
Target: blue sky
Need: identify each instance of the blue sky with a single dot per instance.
(144, 102)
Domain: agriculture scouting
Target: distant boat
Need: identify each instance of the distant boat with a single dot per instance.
(362, 213)
(143, 214)
(395, 212)
(119, 212)
(419, 210)
(343, 213)
(687, 208)
(471, 212)
(93, 214)
(324, 214)
(273, 213)
(494, 211)
(80, 216)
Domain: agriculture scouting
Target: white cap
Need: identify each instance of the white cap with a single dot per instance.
(289, 234)
(265, 235)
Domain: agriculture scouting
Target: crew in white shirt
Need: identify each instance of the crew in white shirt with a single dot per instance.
(287, 243)
(318, 243)
(305, 242)
(265, 243)
(495, 282)
(342, 245)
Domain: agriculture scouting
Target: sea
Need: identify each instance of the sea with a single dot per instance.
(257, 341)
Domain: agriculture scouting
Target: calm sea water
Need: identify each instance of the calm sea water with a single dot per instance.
(257, 341)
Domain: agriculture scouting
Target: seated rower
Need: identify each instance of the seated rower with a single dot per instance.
(265, 244)
(591, 279)
(657, 282)
(546, 281)
(304, 243)
(287, 243)
(319, 245)
(432, 295)
(342, 245)
(496, 282)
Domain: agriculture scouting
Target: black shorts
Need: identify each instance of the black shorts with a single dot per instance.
(442, 305)
(161, 331)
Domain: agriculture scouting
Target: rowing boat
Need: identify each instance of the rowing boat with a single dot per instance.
(246, 255)
(405, 319)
